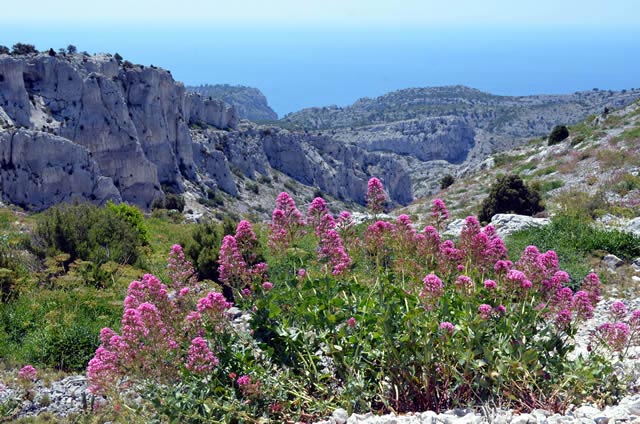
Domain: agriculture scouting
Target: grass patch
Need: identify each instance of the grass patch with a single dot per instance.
(574, 241)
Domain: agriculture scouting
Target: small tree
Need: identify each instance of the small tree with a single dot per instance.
(558, 133)
(118, 58)
(71, 49)
(510, 194)
(52, 52)
(4, 50)
(22, 49)
(446, 181)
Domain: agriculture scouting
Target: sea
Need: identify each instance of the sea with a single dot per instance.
(298, 67)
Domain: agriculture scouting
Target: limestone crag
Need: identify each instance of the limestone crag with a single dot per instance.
(338, 169)
(133, 120)
(456, 124)
(61, 171)
(145, 133)
(426, 139)
(249, 102)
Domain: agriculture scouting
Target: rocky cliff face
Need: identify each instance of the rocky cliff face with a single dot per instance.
(78, 126)
(336, 168)
(249, 102)
(459, 125)
(426, 139)
(133, 121)
(60, 171)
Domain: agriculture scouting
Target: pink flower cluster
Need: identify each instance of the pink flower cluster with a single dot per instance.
(482, 247)
(200, 359)
(286, 223)
(28, 373)
(432, 290)
(446, 327)
(439, 212)
(316, 211)
(346, 227)
(232, 269)
(376, 197)
(238, 265)
(621, 332)
(154, 329)
(330, 246)
(179, 269)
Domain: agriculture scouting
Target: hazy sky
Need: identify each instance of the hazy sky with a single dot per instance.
(611, 13)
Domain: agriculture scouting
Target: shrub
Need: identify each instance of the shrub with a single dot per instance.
(202, 247)
(170, 201)
(117, 57)
(558, 134)
(22, 49)
(91, 233)
(509, 194)
(133, 215)
(71, 49)
(446, 181)
(4, 50)
(409, 323)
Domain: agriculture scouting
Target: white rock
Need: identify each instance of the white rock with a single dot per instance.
(523, 419)
(340, 416)
(612, 261)
(506, 224)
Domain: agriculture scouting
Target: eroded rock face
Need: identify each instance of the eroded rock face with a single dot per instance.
(249, 102)
(133, 129)
(427, 139)
(133, 120)
(60, 172)
(338, 169)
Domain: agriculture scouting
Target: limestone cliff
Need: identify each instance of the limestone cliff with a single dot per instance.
(249, 102)
(61, 171)
(91, 127)
(133, 120)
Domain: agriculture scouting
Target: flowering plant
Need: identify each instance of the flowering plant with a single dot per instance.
(383, 316)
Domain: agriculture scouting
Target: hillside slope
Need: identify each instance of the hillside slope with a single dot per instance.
(596, 170)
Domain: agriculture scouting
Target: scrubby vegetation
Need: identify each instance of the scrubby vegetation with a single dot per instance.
(558, 133)
(115, 233)
(446, 181)
(377, 316)
(509, 194)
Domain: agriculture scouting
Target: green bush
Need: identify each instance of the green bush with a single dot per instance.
(170, 201)
(114, 233)
(446, 181)
(22, 49)
(133, 215)
(558, 134)
(56, 329)
(509, 194)
(202, 247)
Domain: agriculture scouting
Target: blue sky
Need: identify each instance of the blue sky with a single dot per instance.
(304, 53)
(595, 13)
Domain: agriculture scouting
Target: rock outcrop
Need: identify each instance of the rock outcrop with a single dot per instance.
(426, 139)
(90, 127)
(133, 120)
(60, 171)
(338, 169)
(249, 102)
